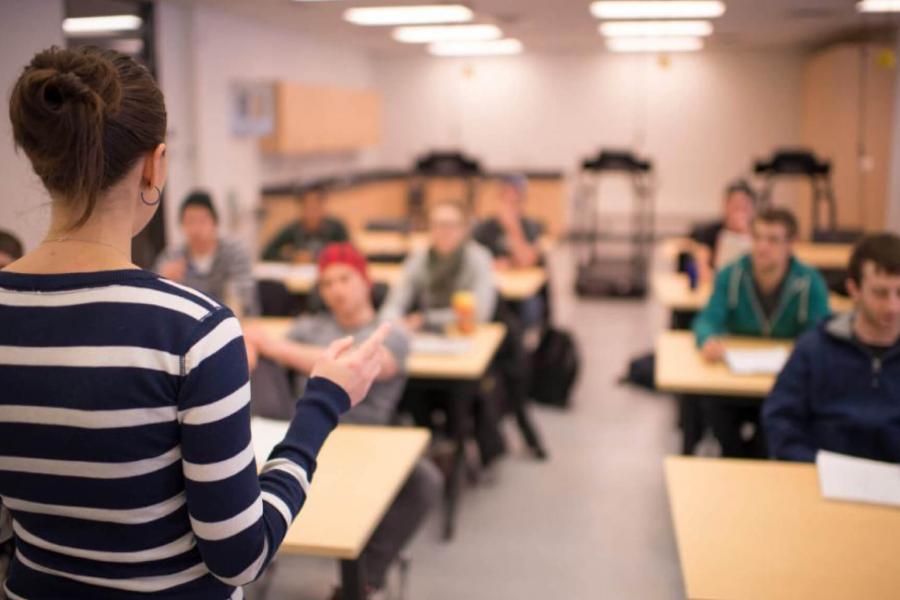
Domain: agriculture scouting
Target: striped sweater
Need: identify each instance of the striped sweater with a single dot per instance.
(126, 468)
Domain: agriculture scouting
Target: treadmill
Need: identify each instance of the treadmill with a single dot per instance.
(600, 271)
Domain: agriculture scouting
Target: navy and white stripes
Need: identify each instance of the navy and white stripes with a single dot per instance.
(126, 465)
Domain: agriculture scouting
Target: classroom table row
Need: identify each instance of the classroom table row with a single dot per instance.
(512, 284)
(362, 468)
(824, 256)
(761, 529)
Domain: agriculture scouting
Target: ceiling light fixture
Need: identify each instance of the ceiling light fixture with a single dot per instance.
(408, 15)
(443, 33)
(878, 6)
(655, 28)
(656, 9)
(659, 44)
(110, 24)
(504, 47)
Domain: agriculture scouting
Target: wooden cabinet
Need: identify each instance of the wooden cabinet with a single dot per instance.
(320, 120)
(848, 100)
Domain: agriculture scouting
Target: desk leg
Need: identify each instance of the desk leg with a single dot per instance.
(353, 579)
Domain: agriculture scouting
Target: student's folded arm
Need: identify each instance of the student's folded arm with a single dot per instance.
(786, 412)
(274, 248)
(239, 517)
(295, 355)
(712, 319)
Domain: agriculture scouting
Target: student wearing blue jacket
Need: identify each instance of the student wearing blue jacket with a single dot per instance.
(840, 390)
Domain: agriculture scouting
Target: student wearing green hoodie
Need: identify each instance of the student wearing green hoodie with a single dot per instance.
(767, 293)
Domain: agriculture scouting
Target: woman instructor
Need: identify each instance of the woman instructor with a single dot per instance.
(126, 467)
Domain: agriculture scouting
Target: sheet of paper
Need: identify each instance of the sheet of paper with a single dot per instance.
(852, 479)
(765, 361)
(440, 345)
(265, 435)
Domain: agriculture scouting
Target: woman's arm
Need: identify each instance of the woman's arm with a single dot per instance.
(240, 517)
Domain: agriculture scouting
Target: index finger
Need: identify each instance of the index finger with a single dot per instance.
(372, 345)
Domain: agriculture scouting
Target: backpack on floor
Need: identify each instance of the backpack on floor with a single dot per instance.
(555, 367)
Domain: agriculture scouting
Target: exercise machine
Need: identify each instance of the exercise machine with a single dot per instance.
(602, 272)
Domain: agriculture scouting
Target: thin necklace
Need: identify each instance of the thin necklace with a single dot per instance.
(99, 243)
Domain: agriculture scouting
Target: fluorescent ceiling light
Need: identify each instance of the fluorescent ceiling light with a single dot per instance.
(491, 48)
(656, 9)
(101, 25)
(438, 33)
(408, 15)
(655, 28)
(876, 6)
(659, 44)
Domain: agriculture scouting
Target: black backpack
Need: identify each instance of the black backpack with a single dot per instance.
(555, 367)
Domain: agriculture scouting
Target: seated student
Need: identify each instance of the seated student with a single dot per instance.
(10, 248)
(423, 297)
(725, 240)
(302, 240)
(767, 293)
(451, 263)
(346, 290)
(208, 262)
(840, 390)
(511, 237)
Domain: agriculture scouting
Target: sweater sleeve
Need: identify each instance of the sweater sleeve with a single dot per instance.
(786, 414)
(240, 517)
(402, 294)
(484, 288)
(240, 274)
(274, 249)
(819, 309)
(713, 318)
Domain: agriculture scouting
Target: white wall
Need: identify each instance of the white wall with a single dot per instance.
(28, 26)
(215, 49)
(703, 119)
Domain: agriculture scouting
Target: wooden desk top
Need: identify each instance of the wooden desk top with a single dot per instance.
(372, 243)
(748, 530)
(514, 284)
(469, 366)
(672, 290)
(824, 256)
(681, 369)
(361, 469)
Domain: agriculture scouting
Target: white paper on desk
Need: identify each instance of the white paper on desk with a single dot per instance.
(279, 271)
(852, 479)
(440, 345)
(265, 434)
(764, 361)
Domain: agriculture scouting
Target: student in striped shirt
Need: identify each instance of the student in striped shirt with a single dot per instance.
(126, 468)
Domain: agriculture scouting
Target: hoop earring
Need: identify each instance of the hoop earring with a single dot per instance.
(155, 202)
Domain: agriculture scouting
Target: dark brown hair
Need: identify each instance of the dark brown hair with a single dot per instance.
(10, 245)
(779, 216)
(84, 117)
(883, 249)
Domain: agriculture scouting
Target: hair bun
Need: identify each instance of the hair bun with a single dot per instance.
(59, 78)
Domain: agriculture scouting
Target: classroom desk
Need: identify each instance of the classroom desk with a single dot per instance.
(391, 243)
(672, 290)
(514, 284)
(461, 374)
(829, 257)
(748, 530)
(681, 369)
(360, 471)
(469, 366)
